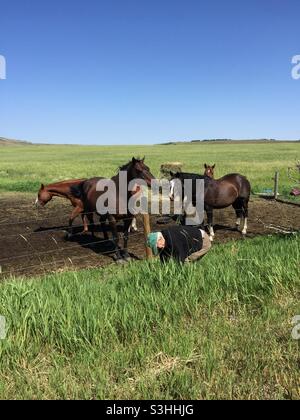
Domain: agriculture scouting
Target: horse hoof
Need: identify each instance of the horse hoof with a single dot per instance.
(128, 259)
(68, 236)
(211, 238)
(120, 261)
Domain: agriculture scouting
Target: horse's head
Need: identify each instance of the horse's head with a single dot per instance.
(175, 184)
(209, 170)
(44, 196)
(141, 171)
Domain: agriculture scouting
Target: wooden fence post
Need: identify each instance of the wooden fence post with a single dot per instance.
(147, 230)
(276, 187)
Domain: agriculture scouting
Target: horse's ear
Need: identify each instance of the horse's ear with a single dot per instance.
(172, 173)
(214, 166)
(143, 160)
(205, 166)
(133, 160)
(42, 186)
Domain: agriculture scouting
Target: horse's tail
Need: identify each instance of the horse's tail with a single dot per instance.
(245, 187)
(77, 190)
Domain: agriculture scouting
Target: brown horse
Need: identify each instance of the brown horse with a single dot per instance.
(63, 189)
(88, 193)
(209, 170)
(230, 190)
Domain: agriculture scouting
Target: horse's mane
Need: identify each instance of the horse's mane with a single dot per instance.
(127, 165)
(187, 175)
(67, 181)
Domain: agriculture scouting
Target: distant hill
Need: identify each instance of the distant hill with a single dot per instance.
(11, 142)
(225, 141)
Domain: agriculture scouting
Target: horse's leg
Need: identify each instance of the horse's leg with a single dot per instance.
(182, 219)
(90, 218)
(238, 207)
(126, 229)
(116, 237)
(245, 210)
(84, 222)
(76, 212)
(133, 226)
(209, 212)
(103, 227)
(85, 218)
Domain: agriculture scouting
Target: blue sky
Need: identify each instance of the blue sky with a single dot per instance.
(128, 71)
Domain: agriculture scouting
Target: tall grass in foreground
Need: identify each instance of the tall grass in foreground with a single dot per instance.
(217, 329)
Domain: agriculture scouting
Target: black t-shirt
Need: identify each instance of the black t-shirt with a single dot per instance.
(181, 242)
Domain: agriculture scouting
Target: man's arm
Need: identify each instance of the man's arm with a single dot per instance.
(180, 254)
(164, 257)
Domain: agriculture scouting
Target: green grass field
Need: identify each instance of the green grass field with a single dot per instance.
(220, 328)
(23, 168)
(209, 330)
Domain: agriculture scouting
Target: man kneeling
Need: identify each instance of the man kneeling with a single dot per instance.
(183, 243)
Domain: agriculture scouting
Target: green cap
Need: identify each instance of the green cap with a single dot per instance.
(152, 241)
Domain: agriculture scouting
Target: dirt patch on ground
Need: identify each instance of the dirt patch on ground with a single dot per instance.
(33, 242)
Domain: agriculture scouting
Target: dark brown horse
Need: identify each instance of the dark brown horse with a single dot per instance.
(88, 193)
(230, 190)
(63, 189)
(209, 170)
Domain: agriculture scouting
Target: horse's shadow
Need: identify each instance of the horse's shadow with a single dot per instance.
(77, 230)
(223, 227)
(98, 244)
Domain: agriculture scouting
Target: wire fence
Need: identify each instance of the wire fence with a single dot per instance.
(38, 254)
(26, 236)
(29, 269)
(37, 220)
(4, 223)
(46, 230)
(92, 243)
